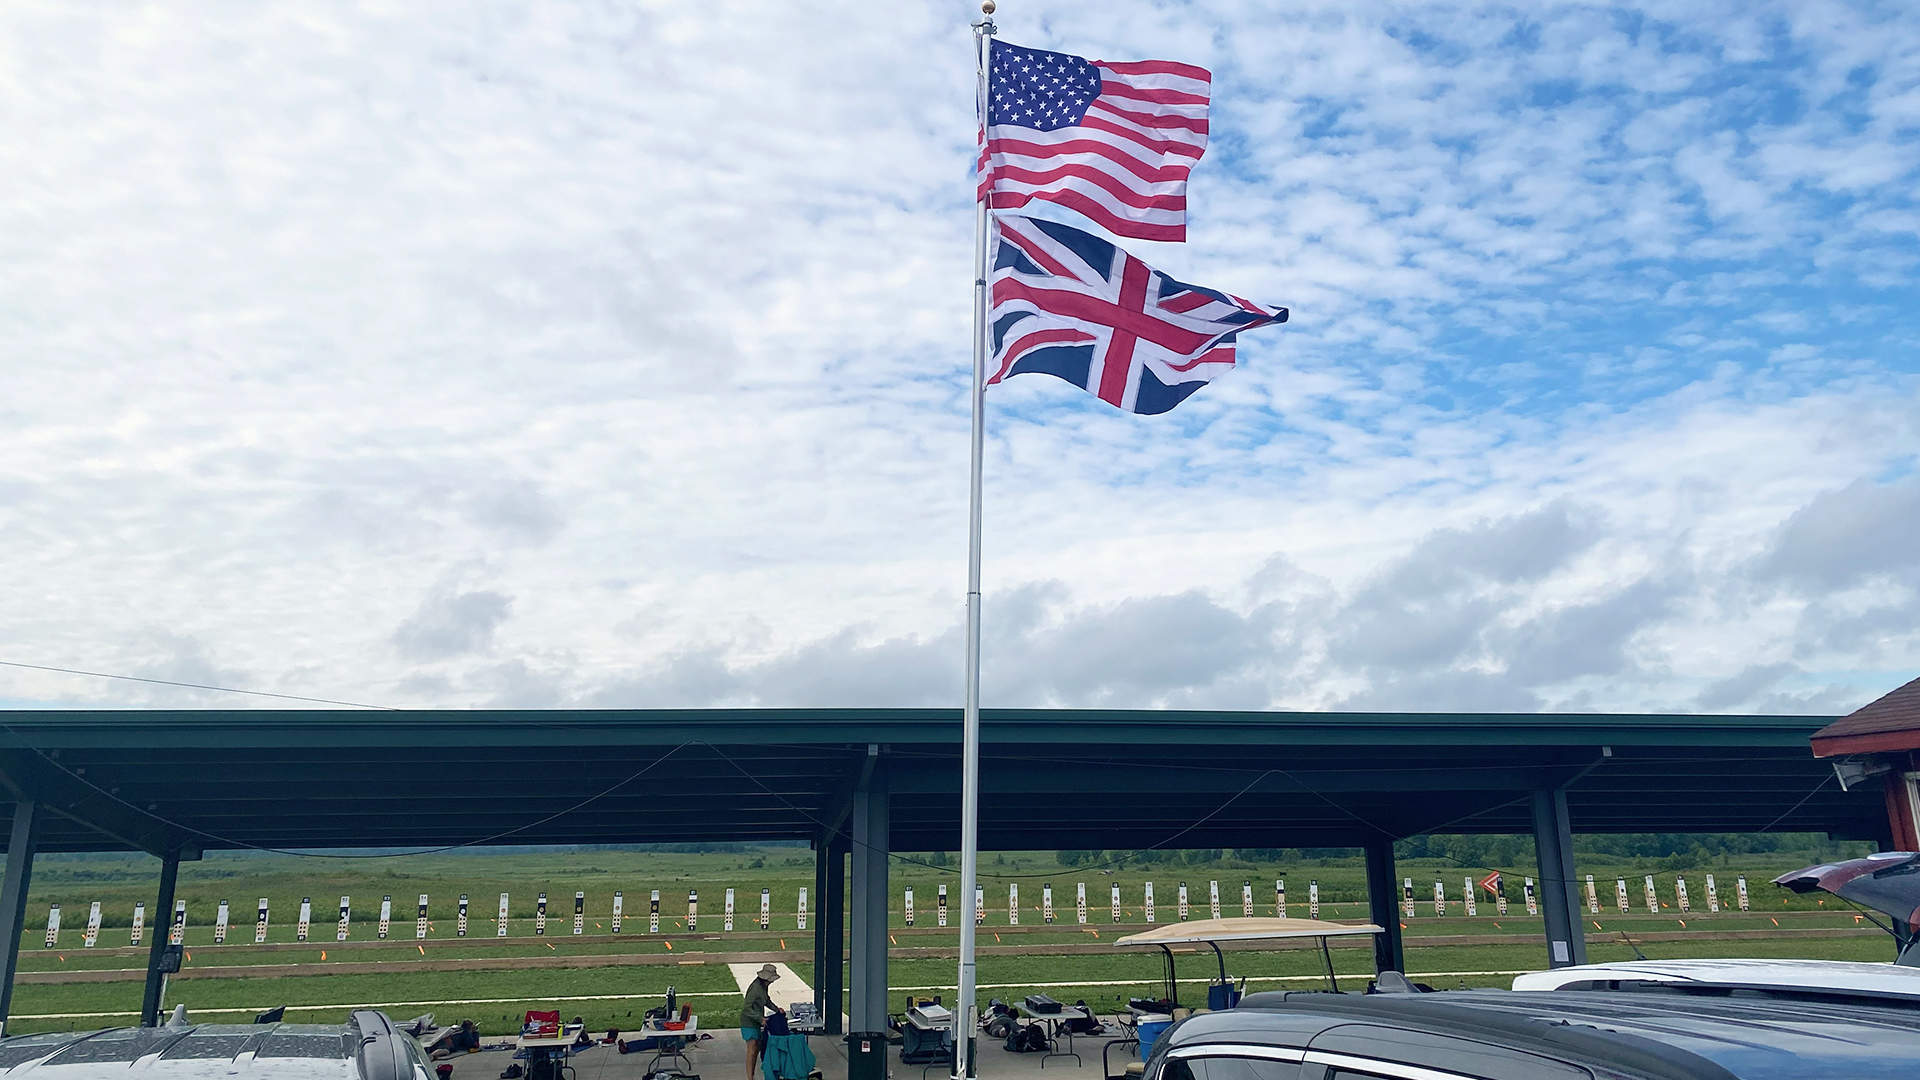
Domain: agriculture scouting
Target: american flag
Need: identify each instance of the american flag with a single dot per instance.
(1113, 142)
(1072, 305)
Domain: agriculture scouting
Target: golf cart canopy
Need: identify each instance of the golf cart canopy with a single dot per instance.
(1214, 931)
(1207, 931)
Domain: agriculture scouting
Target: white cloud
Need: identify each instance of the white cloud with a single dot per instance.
(614, 354)
(450, 624)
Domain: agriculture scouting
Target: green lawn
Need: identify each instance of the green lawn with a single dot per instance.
(496, 998)
(477, 994)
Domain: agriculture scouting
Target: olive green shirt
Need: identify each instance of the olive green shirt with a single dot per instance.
(753, 1011)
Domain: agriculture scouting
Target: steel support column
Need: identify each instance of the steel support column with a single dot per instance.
(830, 939)
(160, 926)
(1559, 892)
(1383, 906)
(13, 894)
(821, 853)
(868, 963)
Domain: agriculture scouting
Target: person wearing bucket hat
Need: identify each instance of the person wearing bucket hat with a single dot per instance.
(753, 1016)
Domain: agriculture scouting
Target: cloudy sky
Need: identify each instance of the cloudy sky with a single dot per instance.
(613, 353)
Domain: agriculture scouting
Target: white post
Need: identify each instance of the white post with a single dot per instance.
(963, 1021)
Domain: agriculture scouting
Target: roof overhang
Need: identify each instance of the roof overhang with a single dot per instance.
(1888, 724)
(1060, 779)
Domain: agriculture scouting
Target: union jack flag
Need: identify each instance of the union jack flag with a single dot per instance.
(1074, 306)
(1112, 142)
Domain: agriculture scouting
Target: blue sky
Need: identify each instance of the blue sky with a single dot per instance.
(592, 353)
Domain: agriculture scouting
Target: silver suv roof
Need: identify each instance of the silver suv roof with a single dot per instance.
(1646, 1035)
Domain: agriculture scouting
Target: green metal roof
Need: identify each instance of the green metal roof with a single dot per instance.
(653, 727)
(1051, 778)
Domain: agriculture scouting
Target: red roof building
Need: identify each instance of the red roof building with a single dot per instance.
(1882, 739)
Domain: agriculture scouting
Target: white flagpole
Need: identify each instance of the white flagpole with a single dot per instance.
(963, 1021)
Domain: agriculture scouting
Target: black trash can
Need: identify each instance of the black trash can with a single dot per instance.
(867, 1055)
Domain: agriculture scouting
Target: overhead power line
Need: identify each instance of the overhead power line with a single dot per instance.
(196, 686)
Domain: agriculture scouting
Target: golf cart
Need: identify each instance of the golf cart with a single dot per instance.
(1151, 1018)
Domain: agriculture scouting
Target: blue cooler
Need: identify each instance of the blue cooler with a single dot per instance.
(1150, 1030)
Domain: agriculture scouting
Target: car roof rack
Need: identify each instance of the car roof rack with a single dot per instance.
(1472, 1014)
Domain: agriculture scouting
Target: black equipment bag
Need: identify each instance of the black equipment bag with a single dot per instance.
(1081, 1025)
(1029, 1039)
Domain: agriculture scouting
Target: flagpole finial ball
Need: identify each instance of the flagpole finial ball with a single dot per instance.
(987, 7)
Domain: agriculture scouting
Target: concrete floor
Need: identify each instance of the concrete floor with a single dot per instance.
(724, 1057)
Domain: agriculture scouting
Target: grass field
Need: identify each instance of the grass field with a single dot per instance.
(606, 995)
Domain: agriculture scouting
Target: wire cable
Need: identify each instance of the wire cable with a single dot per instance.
(197, 686)
(1134, 853)
(183, 827)
(1803, 801)
(952, 870)
(1113, 863)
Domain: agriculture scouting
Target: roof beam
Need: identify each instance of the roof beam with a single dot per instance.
(22, 776)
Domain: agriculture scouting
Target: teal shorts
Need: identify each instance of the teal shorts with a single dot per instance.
(749, 1033)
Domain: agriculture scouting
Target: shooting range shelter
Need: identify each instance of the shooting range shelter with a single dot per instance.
(859, 783)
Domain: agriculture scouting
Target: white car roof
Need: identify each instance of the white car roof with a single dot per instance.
(1846, 976)
(195, 1052)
